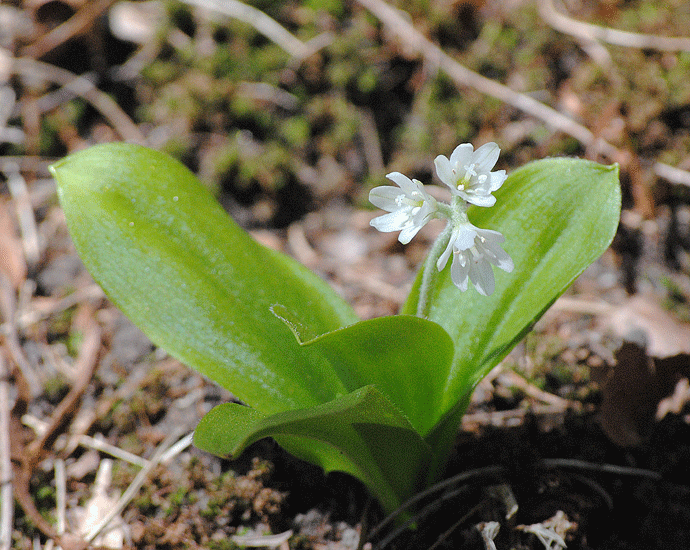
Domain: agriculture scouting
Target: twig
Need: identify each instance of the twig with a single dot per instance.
(448, 532)
(536, 393)
(60, 495)
(25, 500)
(79, 23)
(29, 384)
(25, 161)
(270, 541)
(136, 484)
(672, 174)
(465, 77)
(580, 305)
(587, 31)
(27, 318)
(459, 478)
(263, 91)
(85, 365)
(264, 24)
(373, 285)
(588, 43)
(7, 100)
(604, 468)
(371, 142)
(513, 417)
(25, 213)
(40, 427)
(6, 500)
(83, 88)
(300, 247)
(462, 76)
(177, 448)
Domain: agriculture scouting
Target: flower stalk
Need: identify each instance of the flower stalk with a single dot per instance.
(430, 273)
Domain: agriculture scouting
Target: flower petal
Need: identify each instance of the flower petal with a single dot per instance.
(482, 277)
(494, 237)
(385, 197)
(405, 183)
(444, 171)
(410, 206)
(461, 155)
(408, 233)
(502, 260)
(464, 236)
(443, 258)
(459, 270)
(478, 200)
(486, 156)
(395, 221)
(496, 179)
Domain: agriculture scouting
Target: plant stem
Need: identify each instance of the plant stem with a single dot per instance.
(430, 272)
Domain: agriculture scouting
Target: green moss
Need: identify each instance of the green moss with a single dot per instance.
(55, 388)
(224, 544)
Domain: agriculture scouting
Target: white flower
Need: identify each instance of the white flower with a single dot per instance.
(468, 173)
(474, 251)
(410, 206)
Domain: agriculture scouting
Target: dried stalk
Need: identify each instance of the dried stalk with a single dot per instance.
(6, 499)
(83, 88)
(462, 76)
(596, 33)
(264, 24)
(78, 24)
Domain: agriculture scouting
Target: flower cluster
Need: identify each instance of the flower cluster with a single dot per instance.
(468, 175)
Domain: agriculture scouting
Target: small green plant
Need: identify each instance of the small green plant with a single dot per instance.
(380, 399)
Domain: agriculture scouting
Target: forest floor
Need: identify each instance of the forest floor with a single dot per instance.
(581, 435)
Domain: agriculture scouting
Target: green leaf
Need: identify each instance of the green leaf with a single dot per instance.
(361, 433)
(408, 358)
(199, 286)
(558, 216)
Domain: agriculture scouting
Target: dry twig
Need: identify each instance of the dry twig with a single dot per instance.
(60, 495)
(78, 24)
(462, 76)
(97, 443)
(589, 32)
(39, 311)
(85, 366)
(6, 500)
(264, 24)
(31, 454)
(81, 87)
(534, 392)
(28, 383)
(25, 213)
(136, 484)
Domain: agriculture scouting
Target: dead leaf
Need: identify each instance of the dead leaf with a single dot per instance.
(665, 335)
(12, 262)
(632, 392)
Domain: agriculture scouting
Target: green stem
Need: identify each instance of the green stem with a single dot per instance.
(430, 271)
(456, 213)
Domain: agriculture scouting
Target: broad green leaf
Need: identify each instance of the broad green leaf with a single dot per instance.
(199, 286)
(408, 358)
(558, 216)
(361, 433)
